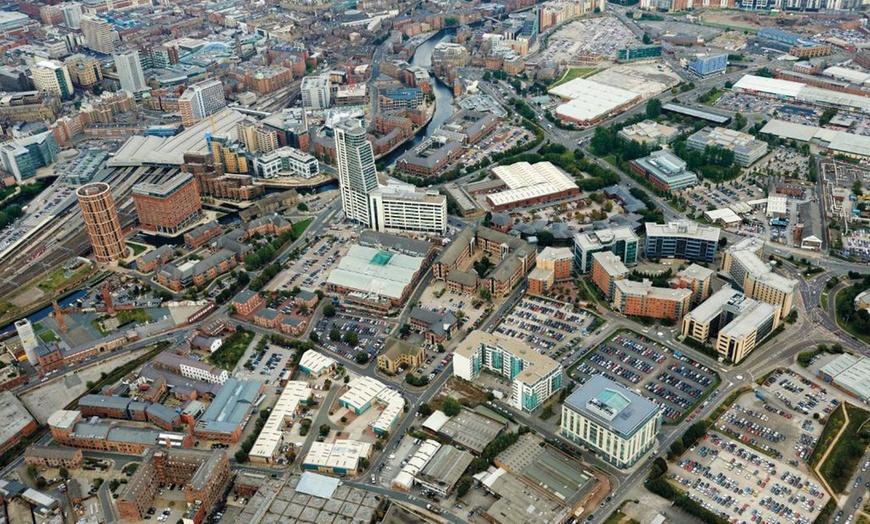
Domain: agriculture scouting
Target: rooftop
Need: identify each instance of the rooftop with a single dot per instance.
(612, 405)
(295, 393)
(683, 228)
(538, 365)
(230, 407)
(850, 372)
(711, 308)
(14, 415)
(373, 271)
(610, 263)
(750, 319)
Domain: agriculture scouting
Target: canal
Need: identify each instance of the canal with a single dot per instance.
(443, 95)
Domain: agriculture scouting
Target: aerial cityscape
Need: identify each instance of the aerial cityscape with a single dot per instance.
(450, 261)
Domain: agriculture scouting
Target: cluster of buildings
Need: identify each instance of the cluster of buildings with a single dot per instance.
(524, 185)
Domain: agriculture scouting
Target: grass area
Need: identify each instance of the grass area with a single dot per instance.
(574, 72)
(835, 421)
(48, 336)
(232, 350)
(839, 298)
(301, 226)
(618, 517)
(824, 300)
(126, 316)
(729, 26)
(58, 278)
(98, 326)
(847, 452)
(137, 248)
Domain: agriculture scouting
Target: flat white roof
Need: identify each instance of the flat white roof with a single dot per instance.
(373, 271)
(341, 454)
(610, 263)
(771, 86)
(683, 228)
(749, 320)
(295, 393)
(712, 307)
(525, 180)
(362, 391)
(590, 99)
(725, 214)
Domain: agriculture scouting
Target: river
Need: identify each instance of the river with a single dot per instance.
(443, 95)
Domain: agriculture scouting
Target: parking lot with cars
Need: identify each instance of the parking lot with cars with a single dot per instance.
(551, 326)
(674, 381)
(706, 198)
(312, 267)
(347, 334)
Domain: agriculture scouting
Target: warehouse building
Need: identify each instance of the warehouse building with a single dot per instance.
(746, 148)
(535, 377)
(405, 479)
(443, 470)
(227, 414)
(18, 424)
(850, 373)
(614, 422)
(315, 364)
(529, 184)
(664, 170)
(341, 457)
(841, 142)
(468, 430)
(620, 240)
(365, 392)
(589, 102)
(292, 400)
(790, 90)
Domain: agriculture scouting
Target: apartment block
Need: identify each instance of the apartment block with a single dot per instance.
(682, 240)
(621, 241)
(607, 269)
(641, 299)
(405, 208)
(695, 278)
(756, 277)
(170, 207)
(535, 377)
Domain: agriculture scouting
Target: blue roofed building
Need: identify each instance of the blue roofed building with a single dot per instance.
(228, 413)
(615, 423)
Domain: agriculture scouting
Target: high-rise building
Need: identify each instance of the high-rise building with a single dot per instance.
(682, 240)
(534, 377)
(706, 65)
(696, 278)
(756, 277)
(84, 71)
(101, 221)
(130, 72)
(607, 269)
(168, 207)
(201, 100)
(611, 420)
(52, 77)
(100, 36)
(404, 208)
(315, 92)
(23, 156)
(620, 241)
(357, 175)
(72, 14)
(28, 340)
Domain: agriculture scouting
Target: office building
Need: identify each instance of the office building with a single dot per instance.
(621, 241)
(406, 208)
(607, 269)
(72, 14)
(399, 354)
(341, 457)
(649, 132)
(27, 338)
(695, 278)
(534, 377)
(746, 148)
(751, 321)
(642, 299)
(84, 71)
(316, 92)
(616, 423)
(705, 321)
(682, 240)
(230, 410)
(756, 277)
(190, 368)
(129, 68)
(101, 221)
(23, 156)
(664, 170)
(201, 100)
(706, 65)
(52, 77)
(286, 161)
(99, 35)
(357, 176)
(170, 207)
(204, 475)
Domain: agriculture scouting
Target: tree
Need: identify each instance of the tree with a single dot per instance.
(324, 430)
(334, 335)
(653, 108)
(346, 379)
(327, 384)
(302, 206)
(723, 241)
(329, 310)
(857, 187)
(351, 338)
(64, 473)
(646, 39)
(451, 407)
(463, 486)
(241, 456)
(361, 357)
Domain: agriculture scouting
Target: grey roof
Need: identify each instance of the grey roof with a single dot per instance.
(305, 294)
(230, 407)
(502, 219)
(244, 296)
(93, 429)
(407, 246)
(104, 401)
(203, 229)
(437, 321)
(268, 313)
(155, 254)
(447, 466)
(465, 278)
(51, 452)
(178, 384)
(206, 469)
(451, 254)
(316, 485)
(629, 414)
(161, 412)
(148, 437)
(629, 202)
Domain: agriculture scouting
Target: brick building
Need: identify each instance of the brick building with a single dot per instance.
(53, 457)
(168, 207)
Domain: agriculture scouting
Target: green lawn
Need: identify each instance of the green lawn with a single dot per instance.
(137, 248)
(844, 457)
(574, 72)
(301, 226)
(126, 316)
(57, 278)
(48, 336)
